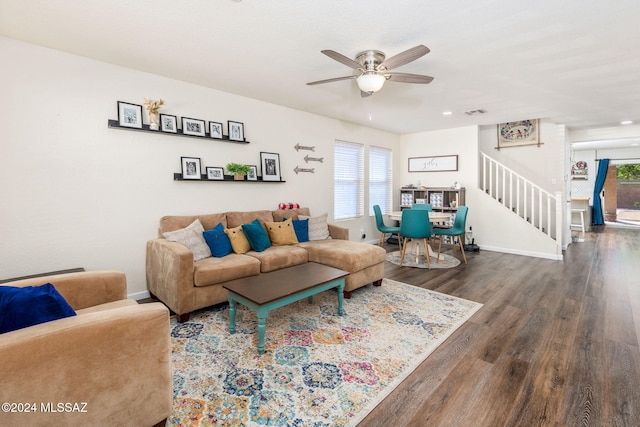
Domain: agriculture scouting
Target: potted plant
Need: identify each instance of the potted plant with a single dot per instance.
(239, 171)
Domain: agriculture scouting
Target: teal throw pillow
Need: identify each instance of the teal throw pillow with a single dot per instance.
(301, 227)
(31, 305)
(218, 241)
(256, 235)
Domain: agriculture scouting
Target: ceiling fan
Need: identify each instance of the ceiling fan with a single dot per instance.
(373, 68)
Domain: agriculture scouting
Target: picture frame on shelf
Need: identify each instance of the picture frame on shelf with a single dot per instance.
(514, 134)
(215, 173)
(129, 115)
(190, 167)
(433, 163)
(215, 130)
(270, 163)
(168, 123)
(253, 175)
(236, 130)
(194, 127)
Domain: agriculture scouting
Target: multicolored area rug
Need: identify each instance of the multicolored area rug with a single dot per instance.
(411, 260)
(319, 369)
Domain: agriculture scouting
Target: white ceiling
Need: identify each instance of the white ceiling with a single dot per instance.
(576, 62)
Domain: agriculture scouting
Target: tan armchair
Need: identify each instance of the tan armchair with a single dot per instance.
(109, 365)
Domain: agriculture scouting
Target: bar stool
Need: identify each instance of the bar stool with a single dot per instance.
(581, 224)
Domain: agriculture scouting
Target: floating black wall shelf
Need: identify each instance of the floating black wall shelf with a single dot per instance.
(113, 124)
(227, 178)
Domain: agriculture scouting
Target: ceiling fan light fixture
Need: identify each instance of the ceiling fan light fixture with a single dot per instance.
(370, 82)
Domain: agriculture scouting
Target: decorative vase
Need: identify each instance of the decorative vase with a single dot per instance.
(154, 121)
(238, 176)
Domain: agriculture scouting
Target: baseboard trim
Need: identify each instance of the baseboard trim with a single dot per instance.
(553, 257)
(139, 295)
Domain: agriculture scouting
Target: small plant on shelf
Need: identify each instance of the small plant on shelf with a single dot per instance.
(239, 171)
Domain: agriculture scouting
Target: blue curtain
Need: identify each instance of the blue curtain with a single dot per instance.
(597, 218)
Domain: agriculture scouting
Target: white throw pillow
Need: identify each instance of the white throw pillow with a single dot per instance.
(192, 238)
(318, 228)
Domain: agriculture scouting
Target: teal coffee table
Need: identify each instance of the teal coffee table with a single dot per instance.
(268, 291)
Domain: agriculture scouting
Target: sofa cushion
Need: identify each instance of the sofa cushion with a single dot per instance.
(192, 238)
(281, 233)
(256, 235)
(235, 219)
(277, 257)
(239, 241)
(218, 241)
(282, 214)
(212, 271)
(175, 222)
(21, 307)
(318, 228)
(344, 254)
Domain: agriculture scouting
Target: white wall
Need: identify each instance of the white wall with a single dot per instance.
(494, 227)
(76, 193)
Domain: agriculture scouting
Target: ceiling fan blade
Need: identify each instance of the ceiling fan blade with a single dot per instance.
(404, 57)
(335, 79)
(408, 78)
(342, 59)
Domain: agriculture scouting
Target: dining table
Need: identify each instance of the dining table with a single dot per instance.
(434, 218)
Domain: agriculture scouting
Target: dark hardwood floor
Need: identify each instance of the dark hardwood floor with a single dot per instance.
(556, 343)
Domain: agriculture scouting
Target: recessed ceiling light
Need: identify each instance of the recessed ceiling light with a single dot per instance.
(626, 122)
(447, 113)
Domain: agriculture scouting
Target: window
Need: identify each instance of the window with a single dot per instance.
(380, 176)
(348, 180)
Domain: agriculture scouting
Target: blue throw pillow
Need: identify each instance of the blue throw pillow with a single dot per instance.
(256, 235)
(301, 227)
(218, 241)
(31, 305)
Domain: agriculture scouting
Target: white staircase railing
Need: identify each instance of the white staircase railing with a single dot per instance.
(538, 207)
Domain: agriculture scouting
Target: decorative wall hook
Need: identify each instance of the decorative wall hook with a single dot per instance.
(299, 147)
(297, 169)
(312, 159)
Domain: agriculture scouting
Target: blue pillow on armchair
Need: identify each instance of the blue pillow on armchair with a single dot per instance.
(31, 305)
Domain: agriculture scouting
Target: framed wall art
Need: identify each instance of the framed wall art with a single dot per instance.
(190, 167)
(270, 166)
(168, 123)
(215, 130)
(514, 134)
(129, 115)
(193, 127)
(236, 131)
(253, 174)
(215, 173)
(433, 164)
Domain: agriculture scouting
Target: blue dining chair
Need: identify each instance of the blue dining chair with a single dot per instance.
(425, 206)
(415, 225)
(382, 227)
(459, 226)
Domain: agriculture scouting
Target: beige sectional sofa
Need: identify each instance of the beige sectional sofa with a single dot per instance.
(184, 285)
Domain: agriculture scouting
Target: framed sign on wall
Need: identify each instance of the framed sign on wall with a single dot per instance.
(433, 163)
(514, 134)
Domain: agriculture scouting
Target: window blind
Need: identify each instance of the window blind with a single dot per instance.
(348, 180)
(380, 179)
